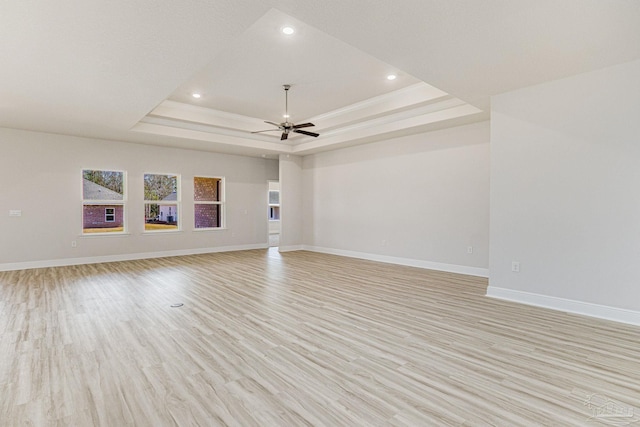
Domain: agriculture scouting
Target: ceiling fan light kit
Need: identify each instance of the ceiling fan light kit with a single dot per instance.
(287, 127)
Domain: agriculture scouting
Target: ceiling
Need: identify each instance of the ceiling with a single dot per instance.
(126, 70)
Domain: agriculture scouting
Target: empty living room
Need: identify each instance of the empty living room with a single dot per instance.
(301, 213)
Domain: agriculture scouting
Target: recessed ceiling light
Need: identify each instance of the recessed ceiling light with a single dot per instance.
(196, 95)
(391, 77)
(286, 116)
(288, 30)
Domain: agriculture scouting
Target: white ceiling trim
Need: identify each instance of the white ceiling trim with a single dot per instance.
(418, 111)
(372, 131)
(414, 94)
(399, 111)
(217, 138)
(401, 123)
(196, 114)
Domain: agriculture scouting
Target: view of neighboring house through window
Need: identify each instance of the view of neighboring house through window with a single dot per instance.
(161, 202)
(208, 197)
(103, 201)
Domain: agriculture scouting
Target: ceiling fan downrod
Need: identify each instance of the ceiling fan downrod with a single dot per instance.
(286, 102)
(286, 127)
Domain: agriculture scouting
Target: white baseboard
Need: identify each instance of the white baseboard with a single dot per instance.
(125, 257)
(451, 268)
(290, 248)
(570, 306)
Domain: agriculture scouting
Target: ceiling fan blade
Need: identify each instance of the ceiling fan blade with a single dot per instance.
(271, 123)
(267, 130)
(284, 136)
(304, 132)
(303, 125)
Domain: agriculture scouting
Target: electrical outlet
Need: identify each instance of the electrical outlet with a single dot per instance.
(384, 243)
(74, 244)
(515, 267)
(469, 249)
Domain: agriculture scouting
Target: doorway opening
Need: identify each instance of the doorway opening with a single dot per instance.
(274, 213)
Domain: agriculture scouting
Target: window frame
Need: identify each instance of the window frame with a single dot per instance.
(177, 203)
(273, 207)
(221, 202)
(107, 215)
(106, 203)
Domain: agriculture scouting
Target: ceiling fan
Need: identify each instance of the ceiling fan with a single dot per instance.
(287, 127)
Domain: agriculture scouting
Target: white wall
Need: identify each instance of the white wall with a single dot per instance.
(418, 200)
(41, 175)
(291, 198)
(565, 194)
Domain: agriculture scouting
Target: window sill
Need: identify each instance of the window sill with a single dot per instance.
(200, 230)
(90, 235)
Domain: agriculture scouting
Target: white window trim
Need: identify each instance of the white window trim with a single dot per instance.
(221, 203)
(177, 203)
(107, 215)
(123, 203)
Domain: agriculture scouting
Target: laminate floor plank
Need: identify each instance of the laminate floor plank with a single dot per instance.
(298, 339)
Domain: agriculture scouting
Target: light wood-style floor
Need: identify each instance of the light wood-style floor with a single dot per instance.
(296, 339)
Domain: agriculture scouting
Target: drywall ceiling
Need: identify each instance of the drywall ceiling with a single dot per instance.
(125, 70)
(343, 91)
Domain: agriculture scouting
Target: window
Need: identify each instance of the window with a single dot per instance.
(161, 202)
(208, 207)
(109, 214)
(274, 213)
(103, 201)
(274, 197)
(274, 205)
